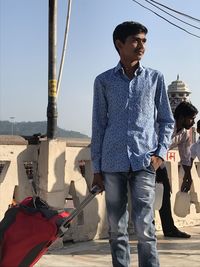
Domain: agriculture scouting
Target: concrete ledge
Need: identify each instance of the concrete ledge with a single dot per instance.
(12, 140)
(76, 142)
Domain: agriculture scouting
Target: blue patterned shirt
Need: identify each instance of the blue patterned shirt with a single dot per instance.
(132, 120)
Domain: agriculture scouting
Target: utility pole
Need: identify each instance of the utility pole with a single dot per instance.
(52, 113)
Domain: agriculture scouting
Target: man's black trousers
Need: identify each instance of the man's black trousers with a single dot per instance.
(165, 211)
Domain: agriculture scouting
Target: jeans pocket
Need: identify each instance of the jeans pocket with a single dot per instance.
(151, 168)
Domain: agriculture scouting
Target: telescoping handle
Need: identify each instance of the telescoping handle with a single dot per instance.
(65, 225)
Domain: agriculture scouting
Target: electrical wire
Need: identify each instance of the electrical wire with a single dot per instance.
(178, 12)
(64, 44)
(149, 1)
(167, 20)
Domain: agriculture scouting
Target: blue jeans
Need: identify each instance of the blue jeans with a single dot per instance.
(142, 188)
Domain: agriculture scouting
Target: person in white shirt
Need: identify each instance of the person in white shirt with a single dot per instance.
(195, 148)
(185, 114)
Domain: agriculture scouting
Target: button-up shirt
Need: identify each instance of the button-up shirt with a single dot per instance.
(181, 139)
(132, 120)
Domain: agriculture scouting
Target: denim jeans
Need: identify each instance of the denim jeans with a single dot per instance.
(142, 188)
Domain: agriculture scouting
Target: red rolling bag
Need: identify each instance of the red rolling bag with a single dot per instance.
(29, 228)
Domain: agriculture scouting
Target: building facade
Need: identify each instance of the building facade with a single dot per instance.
(178, 91)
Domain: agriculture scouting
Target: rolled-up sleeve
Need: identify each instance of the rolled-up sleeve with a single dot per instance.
(99, 123)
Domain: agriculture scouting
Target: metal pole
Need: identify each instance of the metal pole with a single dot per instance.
(52, 81)
(12, 125)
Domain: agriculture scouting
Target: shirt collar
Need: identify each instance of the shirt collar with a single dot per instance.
(137, 72)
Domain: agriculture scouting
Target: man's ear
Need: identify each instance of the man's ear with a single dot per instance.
(118, 44)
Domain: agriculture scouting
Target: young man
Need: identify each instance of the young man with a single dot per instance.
(185, 114)
(195, 148)
(131, 130)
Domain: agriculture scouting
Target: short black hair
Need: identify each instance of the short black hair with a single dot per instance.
(127, 28)
(185, 109)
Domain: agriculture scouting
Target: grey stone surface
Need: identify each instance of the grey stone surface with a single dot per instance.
(173, 252)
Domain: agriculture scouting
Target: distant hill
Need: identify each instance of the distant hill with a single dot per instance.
(31, 128)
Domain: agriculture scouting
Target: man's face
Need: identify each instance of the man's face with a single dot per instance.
(188, 122)
(134, 47)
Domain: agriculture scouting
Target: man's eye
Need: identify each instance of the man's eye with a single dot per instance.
(138, 40)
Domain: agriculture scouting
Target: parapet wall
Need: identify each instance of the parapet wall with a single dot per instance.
(62, 172)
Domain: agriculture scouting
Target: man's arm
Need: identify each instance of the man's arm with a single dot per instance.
(165, 120)
(187, 178)
(185, 156)
(193, 151)
(99, 123)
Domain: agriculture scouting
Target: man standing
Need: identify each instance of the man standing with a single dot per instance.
(131, 129)
(185, 114)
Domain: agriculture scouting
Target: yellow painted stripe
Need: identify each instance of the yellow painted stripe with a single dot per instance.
(53, 88)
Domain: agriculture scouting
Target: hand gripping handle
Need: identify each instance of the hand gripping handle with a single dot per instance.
(65, 225)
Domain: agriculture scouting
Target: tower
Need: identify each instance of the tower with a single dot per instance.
(178, 92)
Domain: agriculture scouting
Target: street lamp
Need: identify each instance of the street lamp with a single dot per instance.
(12, 125)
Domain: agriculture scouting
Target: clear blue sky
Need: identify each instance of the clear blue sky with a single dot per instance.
(24, 54)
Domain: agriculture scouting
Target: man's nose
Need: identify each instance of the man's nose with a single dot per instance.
(141, 44)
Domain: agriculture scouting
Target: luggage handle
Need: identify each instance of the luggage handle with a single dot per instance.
(65, 225)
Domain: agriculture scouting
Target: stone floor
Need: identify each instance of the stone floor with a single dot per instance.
(173, 252)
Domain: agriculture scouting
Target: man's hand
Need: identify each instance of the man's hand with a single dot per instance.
(156, 162)
(98, 180)
(186, 184)
(187, 179)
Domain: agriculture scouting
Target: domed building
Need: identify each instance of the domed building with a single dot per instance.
(178, 92)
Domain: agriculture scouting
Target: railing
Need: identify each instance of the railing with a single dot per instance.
(62, 173)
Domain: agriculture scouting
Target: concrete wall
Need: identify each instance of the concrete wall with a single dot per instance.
(62, 172)
(176, 172)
